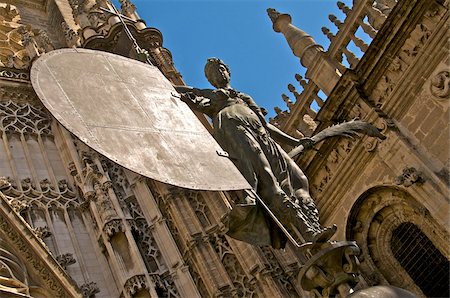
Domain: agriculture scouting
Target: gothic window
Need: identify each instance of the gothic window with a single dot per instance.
(200, 208)
(421, 259)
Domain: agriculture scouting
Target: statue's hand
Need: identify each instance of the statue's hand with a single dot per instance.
(188, 97)
(306, 142)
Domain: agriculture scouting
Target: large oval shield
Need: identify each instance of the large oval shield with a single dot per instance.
(129, 112)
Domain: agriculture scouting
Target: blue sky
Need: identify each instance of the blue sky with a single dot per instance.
(240, 33)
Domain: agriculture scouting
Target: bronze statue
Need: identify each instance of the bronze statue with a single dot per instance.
(241, 130)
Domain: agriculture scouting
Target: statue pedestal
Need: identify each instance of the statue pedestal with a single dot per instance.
(331, 269)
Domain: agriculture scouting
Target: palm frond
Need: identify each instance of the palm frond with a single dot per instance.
(350, 129)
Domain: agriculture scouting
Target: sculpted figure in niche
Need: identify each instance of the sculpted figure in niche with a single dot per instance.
(241, 130)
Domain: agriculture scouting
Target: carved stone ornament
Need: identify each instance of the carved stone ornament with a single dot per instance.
(113, 227)
(4, 183)
(135, 284)
(409, 177)
(42, 232)
(440, 85)
(89, 289)
(51, 276)
(65, 260)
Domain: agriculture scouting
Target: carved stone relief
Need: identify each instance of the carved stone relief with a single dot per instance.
(409, 176)
(440, 85)
(406, 56)
(135, 284)
(89, 289)
(65, 260)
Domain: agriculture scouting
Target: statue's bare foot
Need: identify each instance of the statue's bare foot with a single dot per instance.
(324, 235)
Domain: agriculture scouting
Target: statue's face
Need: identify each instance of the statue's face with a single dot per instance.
(218, 76)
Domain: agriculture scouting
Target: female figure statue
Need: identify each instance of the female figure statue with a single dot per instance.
(241, 130)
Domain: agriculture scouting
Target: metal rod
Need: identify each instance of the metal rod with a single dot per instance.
(275, 219)
(113, 13)
(128, 32)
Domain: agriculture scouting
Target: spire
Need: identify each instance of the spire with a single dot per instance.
(322, 70)
(302, 44)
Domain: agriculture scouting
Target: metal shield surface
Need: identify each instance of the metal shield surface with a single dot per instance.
(127, 111)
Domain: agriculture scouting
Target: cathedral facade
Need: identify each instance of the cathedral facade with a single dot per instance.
(75, 224)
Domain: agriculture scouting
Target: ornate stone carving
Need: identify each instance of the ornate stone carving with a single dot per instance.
(24, 249)
(128, 8)
(148, 247)
(409, 177)
(113, 227)
(13, 37)
(135, 284)
(42, 232)
(72, 168)
(65, 260)
(45, 196)
(19, 205)
(13, 273)
(440, 85)
(244, 284)
(71, 36)
(4, 183)
(279, 274)
(89, 289)
(23, 118)
(103, 202)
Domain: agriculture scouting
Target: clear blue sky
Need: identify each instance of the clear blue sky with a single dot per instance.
(240, 33)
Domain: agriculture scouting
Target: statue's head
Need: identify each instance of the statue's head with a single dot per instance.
(217, 73)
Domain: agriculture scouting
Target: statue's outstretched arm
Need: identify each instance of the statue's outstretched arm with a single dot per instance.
(196, 91)
(281, 137)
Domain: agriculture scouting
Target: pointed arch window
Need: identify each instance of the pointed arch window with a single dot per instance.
(421, 259)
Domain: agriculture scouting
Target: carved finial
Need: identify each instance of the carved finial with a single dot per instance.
(273, 14)
(310, 53)
(128, 8)
(287, 100)
(345, 9)
(327, 33)
(335, 21)
(301, 81)
(291, 88)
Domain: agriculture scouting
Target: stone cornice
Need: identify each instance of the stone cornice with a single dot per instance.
(39, 262)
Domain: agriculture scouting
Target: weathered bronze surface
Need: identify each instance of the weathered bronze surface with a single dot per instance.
(129, 112)
(240, 128)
